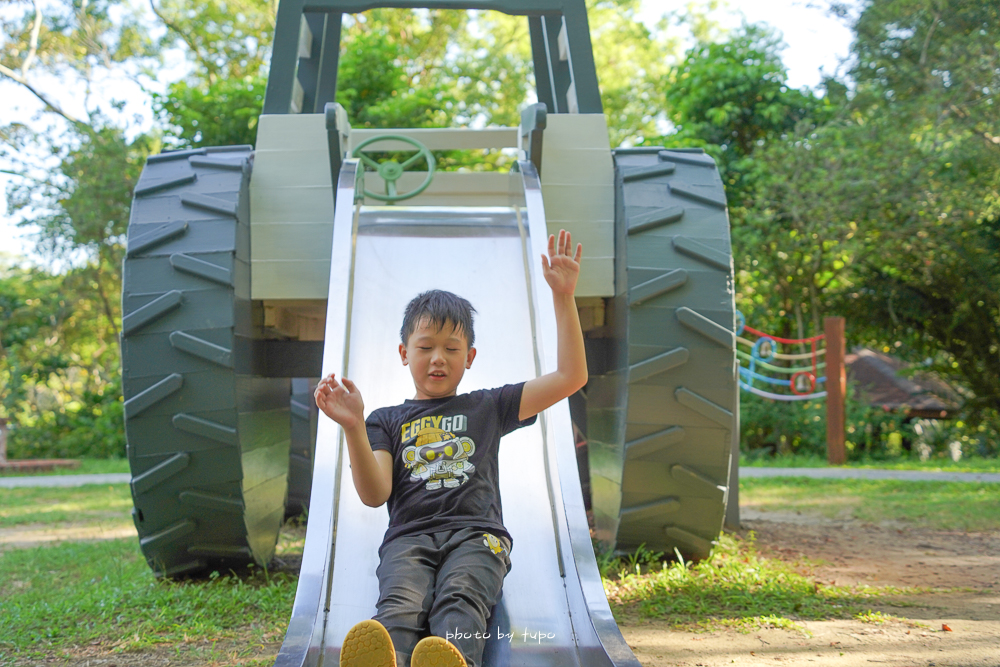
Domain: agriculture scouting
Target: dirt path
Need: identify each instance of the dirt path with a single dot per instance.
(33, 535)
(855, 553)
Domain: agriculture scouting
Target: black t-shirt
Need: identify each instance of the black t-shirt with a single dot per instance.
(444, 459)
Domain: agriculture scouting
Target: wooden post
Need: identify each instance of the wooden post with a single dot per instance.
(836, 389)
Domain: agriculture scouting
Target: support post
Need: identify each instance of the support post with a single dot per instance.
(3, 440)
(732, 520)
(836, 390)
(532, 125)
(539, 53)
(560, 74)
(284, 57)
(326, 91)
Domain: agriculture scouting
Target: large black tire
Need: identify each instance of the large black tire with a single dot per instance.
(305, 418)
(207, 440)
(681, 367)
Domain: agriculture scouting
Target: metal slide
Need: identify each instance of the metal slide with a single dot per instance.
(554, 611)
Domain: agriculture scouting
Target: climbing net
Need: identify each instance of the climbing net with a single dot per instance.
(784, 370)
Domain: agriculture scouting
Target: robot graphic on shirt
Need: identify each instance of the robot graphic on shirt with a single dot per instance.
(440, 459)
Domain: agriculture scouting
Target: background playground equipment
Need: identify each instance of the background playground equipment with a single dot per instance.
(242, 269)
(803, 374)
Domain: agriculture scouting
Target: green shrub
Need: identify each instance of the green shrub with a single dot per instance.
(799, 427)
(776, 428)
(939, 438)
(91, 427)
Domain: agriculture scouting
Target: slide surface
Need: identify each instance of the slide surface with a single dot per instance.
(553, 611)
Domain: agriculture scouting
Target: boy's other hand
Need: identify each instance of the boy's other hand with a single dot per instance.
(341, 402)
(562, 267)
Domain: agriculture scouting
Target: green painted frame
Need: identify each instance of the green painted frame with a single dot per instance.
(564, 86)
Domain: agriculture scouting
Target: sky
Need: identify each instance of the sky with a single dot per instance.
(817, 44)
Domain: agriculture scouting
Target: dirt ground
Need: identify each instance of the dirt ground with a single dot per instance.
(937, 629)
(847, 552)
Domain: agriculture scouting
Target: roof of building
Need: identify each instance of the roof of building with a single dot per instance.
(888, 382)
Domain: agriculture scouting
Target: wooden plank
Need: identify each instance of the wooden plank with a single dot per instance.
(585, 130)
(449, 188)
(300, 320)
(573, 202)
(449, 138)
(597, 277)
(577, 166)
(591, 311)
(290, 279)
(491, 182)
(291, 132)
(292, 241)
(279, 167)
(296, 204)
(592, 235)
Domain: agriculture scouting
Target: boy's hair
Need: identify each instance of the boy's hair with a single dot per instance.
(440, 308)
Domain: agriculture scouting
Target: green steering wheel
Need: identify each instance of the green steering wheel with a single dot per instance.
(390, 170)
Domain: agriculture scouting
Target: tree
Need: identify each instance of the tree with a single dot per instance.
(59, 373)
(81, 207)
(393, 72)
(927, 74)
(931, 60)
(73, 180)
(74, 170)
(631, 62)
(795, 236)
(70, 42)
(396, 70)
(401, 68)
(223, 39)
(731, 97)
(220, 113)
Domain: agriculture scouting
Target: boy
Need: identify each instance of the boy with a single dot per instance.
(434, 459)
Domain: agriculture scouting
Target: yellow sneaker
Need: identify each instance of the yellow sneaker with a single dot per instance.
(436, 652)
(367, 644)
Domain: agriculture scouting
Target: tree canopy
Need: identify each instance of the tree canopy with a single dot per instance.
(875, 195)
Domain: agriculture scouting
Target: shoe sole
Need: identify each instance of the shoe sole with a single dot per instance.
(436, 652)
(367, 644)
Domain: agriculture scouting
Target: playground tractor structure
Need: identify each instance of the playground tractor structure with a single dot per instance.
(228, 270)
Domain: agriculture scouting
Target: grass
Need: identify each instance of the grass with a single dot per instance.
(969, 506)
(71, 597)
(87, 467)
(82, 504)
(965, 464)
(876, 618)
(735, 587)
(59, 598)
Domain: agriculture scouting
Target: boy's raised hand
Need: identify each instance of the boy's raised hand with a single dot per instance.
(340, 402)
(562, 267)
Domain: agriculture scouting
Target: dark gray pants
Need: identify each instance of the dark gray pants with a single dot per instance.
(442, 584)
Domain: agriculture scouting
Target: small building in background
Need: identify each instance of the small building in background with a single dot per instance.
(887, 382)
(927, 402)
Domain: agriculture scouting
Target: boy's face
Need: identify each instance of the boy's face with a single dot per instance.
(437, 359)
